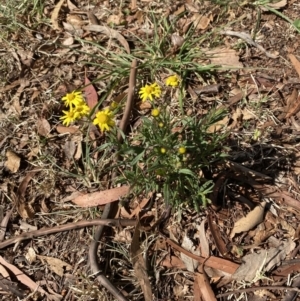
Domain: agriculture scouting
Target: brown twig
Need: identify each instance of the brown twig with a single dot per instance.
(108, 207)
(257, 288)
(67, 227)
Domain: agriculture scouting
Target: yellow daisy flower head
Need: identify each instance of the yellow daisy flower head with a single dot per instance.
(150, 91)
(173, 80)
(104, 119)
(181, 150)
(69, 117)
(161, 125)
(82, 109)
(155, 112)
(73, 98)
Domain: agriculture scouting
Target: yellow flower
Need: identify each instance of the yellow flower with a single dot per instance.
(149, 91)
(155, 112)
(163, 150)
(161, 124)
(82, 109)
(113, 105)
(70, 116)
(182, 150)
(173, 81)
(104, 120)
(73, 98)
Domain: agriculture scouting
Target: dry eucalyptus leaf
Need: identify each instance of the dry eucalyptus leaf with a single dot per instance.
(68, 41)
(115, 19)
(218, 125)
(237, 118)
(75, 21)
(77, 31)
(71, 6)
(43, 127)
(263, 261)
(252, 219)
(200, 21)
(56, 265)
(225, 57)
(295, 63)
(248, 115)
(30, 255)
(101, 197)
(67, 129)
(276, 5)
(69, 149)
(177, 40)
(13, 161)
(25, 210)
(4, 272)
(191, 264)
(27, 227)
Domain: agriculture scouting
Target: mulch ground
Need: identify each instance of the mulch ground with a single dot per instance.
(248, 235)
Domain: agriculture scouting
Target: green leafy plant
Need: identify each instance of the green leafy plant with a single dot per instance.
(169, 155)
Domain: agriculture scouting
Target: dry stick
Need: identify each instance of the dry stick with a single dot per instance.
(108, 207)
(67, 227)
(247, 38)
(257, 288)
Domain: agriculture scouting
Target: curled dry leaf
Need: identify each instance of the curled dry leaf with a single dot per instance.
(54, 15)
(252, 219)
(13, 161)
(101, 197)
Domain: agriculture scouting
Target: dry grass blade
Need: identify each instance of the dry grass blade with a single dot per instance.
(111, 33)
